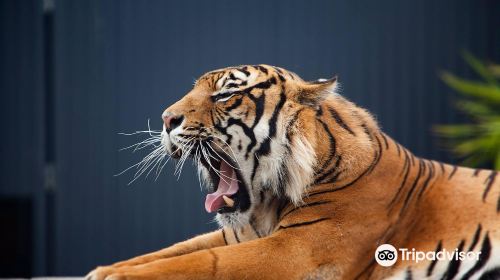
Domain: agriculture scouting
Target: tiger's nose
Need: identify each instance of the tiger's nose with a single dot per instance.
(171, 121)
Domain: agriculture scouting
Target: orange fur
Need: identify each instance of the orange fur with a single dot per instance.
(364, 190)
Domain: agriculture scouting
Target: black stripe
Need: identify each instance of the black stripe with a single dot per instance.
(475, 239)
(399, 149)
(490, 180)
(454, 265)
(421, 170)
(367, 131)
(332, 174)
(259, 107)
(278, 70)
(319, 111)
(335, 115)
(236, 236)
(218, 114)
(281, 77)
(262, 85)
(224, 236)
(339, 188)
(453, 172)
(483, 258)
(442, 167)
(303, 223)
(412, 157)
(261, 68)
(262, 196)
(281, 206)
(265, 146)
(427, 181)
(252, 225)
(212, 117)
(435, 260)
(498, 204)
(331, 151)
(330, 171)
(233, 85)
(291, 124)
(221, 95)
(274, 118)
(217, 80)
(406, 170)
(284, 177)
(213, 73)
(316, 203)
(235, 104)
(492, 274)
(248, 132)
(244, 71)
(373, 164)
(255, 231)
(476, 172)
(385, 141)
(379, 155)
(409, 275)
(233, 77)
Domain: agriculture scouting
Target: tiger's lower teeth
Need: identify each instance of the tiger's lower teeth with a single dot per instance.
(228, 201)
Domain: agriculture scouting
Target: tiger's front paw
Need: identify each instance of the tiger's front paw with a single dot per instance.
(101, 273)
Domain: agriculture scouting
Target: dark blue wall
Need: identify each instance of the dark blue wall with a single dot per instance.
(119, 63)
(22, 120)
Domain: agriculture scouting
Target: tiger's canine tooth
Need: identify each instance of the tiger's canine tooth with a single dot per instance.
(228, 201)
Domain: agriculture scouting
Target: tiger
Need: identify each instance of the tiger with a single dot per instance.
(305, 185)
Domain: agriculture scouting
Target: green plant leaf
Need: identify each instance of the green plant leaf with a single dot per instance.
(485, 144)
(480, 68)
(476, 143)
(456, 131)
(473, 89)
(497, 161)
(476, 110)
(495, 70)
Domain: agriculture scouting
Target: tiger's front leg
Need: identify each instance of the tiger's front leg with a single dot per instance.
(279, 256)
(201, 242)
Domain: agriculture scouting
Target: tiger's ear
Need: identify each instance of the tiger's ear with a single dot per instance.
(312, 92)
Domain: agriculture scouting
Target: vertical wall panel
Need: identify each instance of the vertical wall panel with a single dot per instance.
(119, 63)
(22, 116)
(21, 89)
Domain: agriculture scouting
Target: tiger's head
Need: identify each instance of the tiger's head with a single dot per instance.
(249, 130)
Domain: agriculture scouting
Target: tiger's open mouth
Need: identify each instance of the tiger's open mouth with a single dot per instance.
(228, 192)
(227, 187)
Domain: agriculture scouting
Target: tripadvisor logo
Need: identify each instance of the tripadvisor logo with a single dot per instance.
(387, 255)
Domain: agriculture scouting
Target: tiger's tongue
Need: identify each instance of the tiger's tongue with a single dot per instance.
(228, 185)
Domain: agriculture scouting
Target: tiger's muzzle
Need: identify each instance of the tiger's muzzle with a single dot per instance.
(228, 192)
